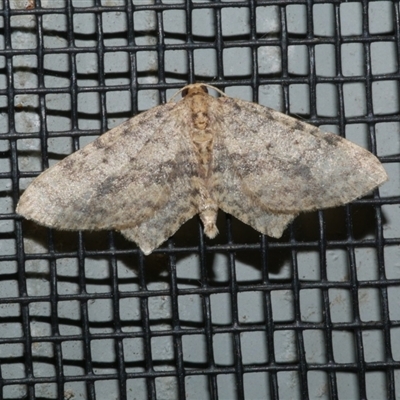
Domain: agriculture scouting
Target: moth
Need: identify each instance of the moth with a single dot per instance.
(149, 175)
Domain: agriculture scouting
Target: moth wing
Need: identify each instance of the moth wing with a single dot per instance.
(154, 231)
(288, 166)
(136, 172)
(234, 198)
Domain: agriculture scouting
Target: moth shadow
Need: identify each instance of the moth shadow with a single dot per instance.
(184, 248)
(360, 220)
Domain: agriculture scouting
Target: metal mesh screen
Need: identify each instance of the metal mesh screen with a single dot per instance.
(312, 315)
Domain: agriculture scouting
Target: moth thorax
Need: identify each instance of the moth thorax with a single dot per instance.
(199, 110)
(200, 120)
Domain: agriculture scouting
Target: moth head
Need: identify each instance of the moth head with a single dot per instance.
(194, 89)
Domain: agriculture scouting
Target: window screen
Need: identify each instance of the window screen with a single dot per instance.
(84, 315)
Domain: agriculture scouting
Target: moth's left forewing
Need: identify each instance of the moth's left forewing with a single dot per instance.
(131, 175)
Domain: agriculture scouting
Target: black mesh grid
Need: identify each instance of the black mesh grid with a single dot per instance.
(86, 332)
